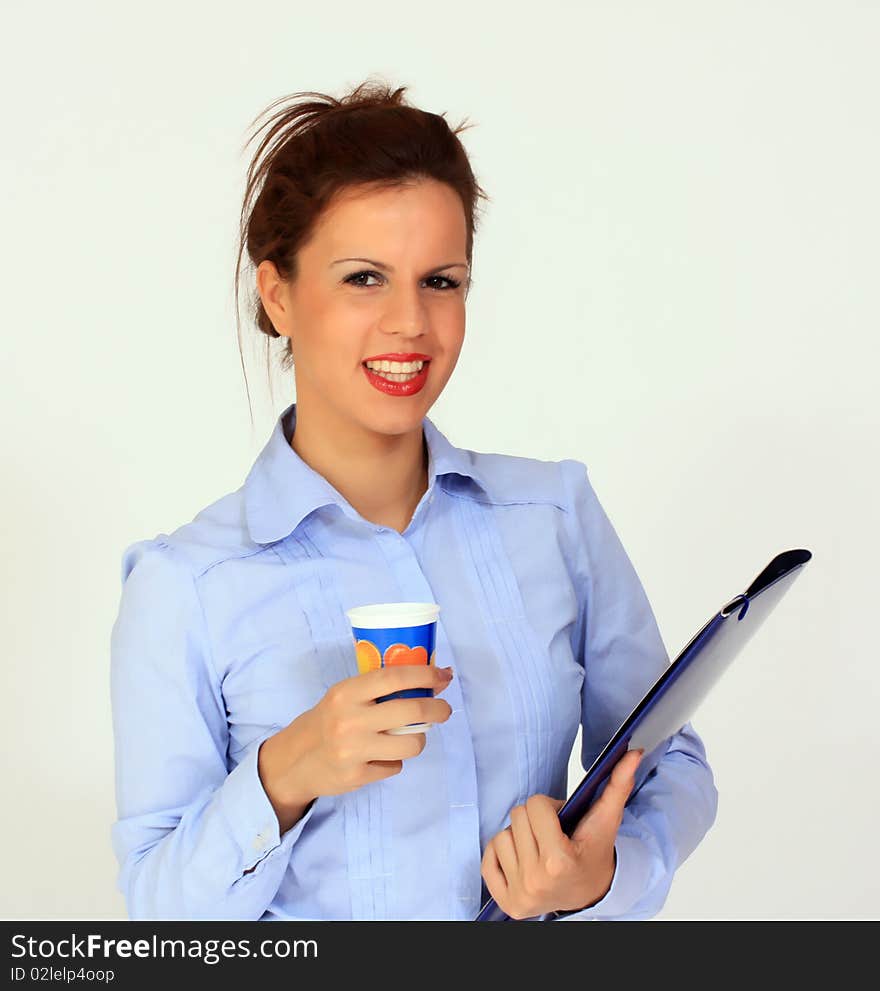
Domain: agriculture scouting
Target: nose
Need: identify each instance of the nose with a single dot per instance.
(404, 315)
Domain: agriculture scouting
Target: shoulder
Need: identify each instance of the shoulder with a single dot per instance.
(509, 479)
(563, 502)
(581, 521)
(216, 534)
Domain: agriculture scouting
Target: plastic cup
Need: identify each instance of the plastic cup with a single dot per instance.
(391, 633)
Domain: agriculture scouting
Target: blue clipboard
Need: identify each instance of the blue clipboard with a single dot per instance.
(673, 698)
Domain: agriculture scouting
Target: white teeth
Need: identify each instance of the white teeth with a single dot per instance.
(398, 378)
(397, 367)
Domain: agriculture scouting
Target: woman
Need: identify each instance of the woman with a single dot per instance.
(254, 779)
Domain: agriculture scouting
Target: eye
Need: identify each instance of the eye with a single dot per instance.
(450, 282)
(360, 275)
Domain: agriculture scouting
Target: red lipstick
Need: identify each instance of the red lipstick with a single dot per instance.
(409, 356)
(391, 388)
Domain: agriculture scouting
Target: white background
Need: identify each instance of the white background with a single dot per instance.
(675, 282)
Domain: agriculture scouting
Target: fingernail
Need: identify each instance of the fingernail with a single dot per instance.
(446, 672)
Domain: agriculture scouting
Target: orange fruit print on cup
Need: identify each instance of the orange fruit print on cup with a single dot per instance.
(400, 653)
(368, 656)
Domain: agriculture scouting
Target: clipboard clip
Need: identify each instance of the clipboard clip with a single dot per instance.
(741, 600)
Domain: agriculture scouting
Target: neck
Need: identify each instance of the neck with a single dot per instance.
(383, 476)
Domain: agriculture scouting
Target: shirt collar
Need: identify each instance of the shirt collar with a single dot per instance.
(281, 489)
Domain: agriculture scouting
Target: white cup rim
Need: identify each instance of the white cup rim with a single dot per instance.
(393, 614)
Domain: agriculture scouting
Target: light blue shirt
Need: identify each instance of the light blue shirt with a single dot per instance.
(232, 625)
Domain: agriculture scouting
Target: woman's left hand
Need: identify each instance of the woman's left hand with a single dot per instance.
(532, 867)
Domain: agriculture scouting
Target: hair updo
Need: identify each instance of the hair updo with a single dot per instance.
(319, 145)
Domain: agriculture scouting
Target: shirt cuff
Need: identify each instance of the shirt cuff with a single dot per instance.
(632, 875)
(250, 815)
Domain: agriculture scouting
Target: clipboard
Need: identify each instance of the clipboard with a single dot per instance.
(673, 698)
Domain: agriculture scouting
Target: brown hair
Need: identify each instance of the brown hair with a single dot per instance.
(369, 137)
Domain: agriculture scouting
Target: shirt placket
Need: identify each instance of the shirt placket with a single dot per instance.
(455, 735)
(366, 817)
(498, 597)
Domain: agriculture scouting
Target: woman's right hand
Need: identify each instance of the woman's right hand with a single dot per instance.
(339, 745)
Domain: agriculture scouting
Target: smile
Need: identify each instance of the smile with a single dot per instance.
(406, 382)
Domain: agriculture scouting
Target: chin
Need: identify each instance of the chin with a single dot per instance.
(393, 423)
(399, 416)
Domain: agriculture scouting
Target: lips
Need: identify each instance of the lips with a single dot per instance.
(408, 356)
(390, 388)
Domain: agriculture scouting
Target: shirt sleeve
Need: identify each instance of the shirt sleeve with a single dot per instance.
(194, 839)
(674, 800)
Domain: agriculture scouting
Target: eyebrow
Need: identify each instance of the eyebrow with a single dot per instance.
(390, 268)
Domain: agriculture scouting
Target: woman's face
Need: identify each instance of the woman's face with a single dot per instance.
(409, 298)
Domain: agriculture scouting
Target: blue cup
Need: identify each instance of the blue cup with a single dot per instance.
(390, 633)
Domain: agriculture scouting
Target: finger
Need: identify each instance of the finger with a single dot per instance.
(380, 716)
(496, 882)
(506, 853)
(607, 813)
(378, 770)
(632, 759)
(387, 747)
(524, 841)
(552, 842)
(384, 681)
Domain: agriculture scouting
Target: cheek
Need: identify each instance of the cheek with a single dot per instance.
(330, 343)
(452, 351)
(450, 335)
